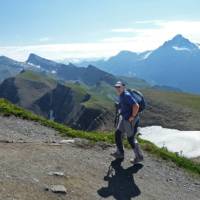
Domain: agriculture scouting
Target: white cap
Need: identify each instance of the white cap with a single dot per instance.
(119, 84)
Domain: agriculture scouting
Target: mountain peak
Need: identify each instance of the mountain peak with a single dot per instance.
(33, 56)
(41, 62)
(126, 53)
(92, 67)
(178, 37)
(180, 41)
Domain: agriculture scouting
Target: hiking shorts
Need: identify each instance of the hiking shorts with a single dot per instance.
(127, 127)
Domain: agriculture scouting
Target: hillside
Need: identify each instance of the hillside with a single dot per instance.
(78, 165)
(91, 107)
(67, 103)
(166, 107)
(172, 109)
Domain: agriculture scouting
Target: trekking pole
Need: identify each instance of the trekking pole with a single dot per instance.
(116, 114)
(109, 173)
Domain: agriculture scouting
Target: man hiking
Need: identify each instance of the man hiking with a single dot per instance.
(128, 123)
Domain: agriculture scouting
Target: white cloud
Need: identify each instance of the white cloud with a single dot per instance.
(148, 21)
(150, 38)
(62, 51)
(44, 39)
(118, 39)
(125, 30)
(143, 39)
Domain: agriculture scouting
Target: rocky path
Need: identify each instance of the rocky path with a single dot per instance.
(34, 165)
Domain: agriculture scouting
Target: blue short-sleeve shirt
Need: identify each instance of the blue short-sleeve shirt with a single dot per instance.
(126, 103)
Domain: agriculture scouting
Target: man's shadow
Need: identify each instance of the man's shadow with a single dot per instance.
(121, 183)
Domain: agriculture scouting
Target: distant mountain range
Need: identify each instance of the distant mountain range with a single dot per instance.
(89, 75)
(175, 64)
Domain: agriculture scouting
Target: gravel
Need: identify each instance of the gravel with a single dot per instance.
(89, 173)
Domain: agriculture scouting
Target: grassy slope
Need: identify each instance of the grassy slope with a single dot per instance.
(172, 98)
(184, 99)
(79, 90)
(167, 108)
(134, 82)
(37, 77)
(102, 96)
(32, 86)
(8, 109)
(177, 98)
(98, 100)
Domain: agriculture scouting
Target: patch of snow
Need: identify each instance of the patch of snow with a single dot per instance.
(147, 55)
(37, 66)
(186, 143)
(53, 72)
(181, 48)
(81, 60)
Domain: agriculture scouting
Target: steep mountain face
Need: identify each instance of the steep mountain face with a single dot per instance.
(60, 104)
(176, 64)
(9, 90)
(53, 100)
(42, 63)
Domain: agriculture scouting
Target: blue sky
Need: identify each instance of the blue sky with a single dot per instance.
(61, 29)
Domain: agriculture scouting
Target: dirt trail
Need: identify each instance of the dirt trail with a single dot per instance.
(89, 171)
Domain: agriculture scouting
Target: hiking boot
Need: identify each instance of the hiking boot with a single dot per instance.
(137, 160)
(117, 155)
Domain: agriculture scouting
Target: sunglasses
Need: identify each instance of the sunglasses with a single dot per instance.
(117, 86)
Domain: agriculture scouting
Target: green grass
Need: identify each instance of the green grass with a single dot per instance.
(98, 100)
(7, 109)
(99, 95)
(187, 100)
(79, 90)
(133, 82)
(102, 97)
(163, 153)
(37, 77)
